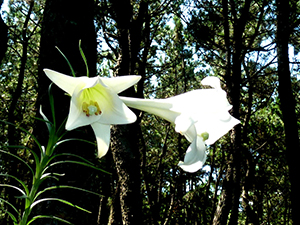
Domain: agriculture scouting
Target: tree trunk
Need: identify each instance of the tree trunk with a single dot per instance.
(231, 191)
(65, 22)
(287, 100)
(127, 162)
(124, 145)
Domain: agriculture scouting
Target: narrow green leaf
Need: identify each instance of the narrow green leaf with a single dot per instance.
(36, 158)
(60, 200)
(17, 157)
(11, 205)
(21, 182)
(75, 139)
(75, 162)
(48, 123)
(73, 155)
(26, 131)
(51, 99)
(73, 72)
(66, 186)
(48, 217)
(14, 187)
(84, 59)
(14, 219)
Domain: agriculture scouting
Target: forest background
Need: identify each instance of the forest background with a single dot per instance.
(250, 174)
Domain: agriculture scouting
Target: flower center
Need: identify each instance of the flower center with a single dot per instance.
(91, 109)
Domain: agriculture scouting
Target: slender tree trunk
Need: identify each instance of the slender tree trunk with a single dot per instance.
(18, 91)
(231, 191)
(287, 101)
(124, 145)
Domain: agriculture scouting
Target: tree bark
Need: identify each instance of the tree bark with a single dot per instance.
(287, 100)
(124, 145)
(127, 162)
(65, 22)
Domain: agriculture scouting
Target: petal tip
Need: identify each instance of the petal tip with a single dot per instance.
(212, 81)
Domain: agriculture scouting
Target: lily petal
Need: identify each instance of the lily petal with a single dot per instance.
(183, 122)
(102, 133)
(200, 102)
(119, 84)
(158, 107)
(214, 82)
(195, 156)
(65, 82)
(216, 127)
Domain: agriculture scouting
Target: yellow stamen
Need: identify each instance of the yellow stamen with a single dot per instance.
(91, 109)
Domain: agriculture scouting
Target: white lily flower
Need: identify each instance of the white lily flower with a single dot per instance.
(201, 116)
(94, 101)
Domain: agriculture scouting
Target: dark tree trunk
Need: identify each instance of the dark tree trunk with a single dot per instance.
(287, 100)
(124, 145)
(231, 191)
(65, 22)
(127, 162)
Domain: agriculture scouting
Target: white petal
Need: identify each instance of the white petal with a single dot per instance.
(65, 82)
(114, 111)
(216, 126)
(191, 133)
(200, 102)
(119, 84)
(212, 81)
(183, 122)
(102, 133)
(158, 107)
(195, 156)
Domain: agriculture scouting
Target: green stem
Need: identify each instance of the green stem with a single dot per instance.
(37, 180)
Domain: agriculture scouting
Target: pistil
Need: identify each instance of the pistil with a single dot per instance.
(91, 109)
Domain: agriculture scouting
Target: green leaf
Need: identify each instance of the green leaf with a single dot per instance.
(11, 205)
(76, 162)
(84, 59)
(14, 219)
(17, 157)
(66, 186)
(51, 99)
(14, 187)
(21, 182)
(60, 200)
(73, 155)
(48, 123)
(73, 72)
(36, 158)
(26, 131)
(49, 217)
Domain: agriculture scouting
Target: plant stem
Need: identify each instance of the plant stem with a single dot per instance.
(37, 180)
